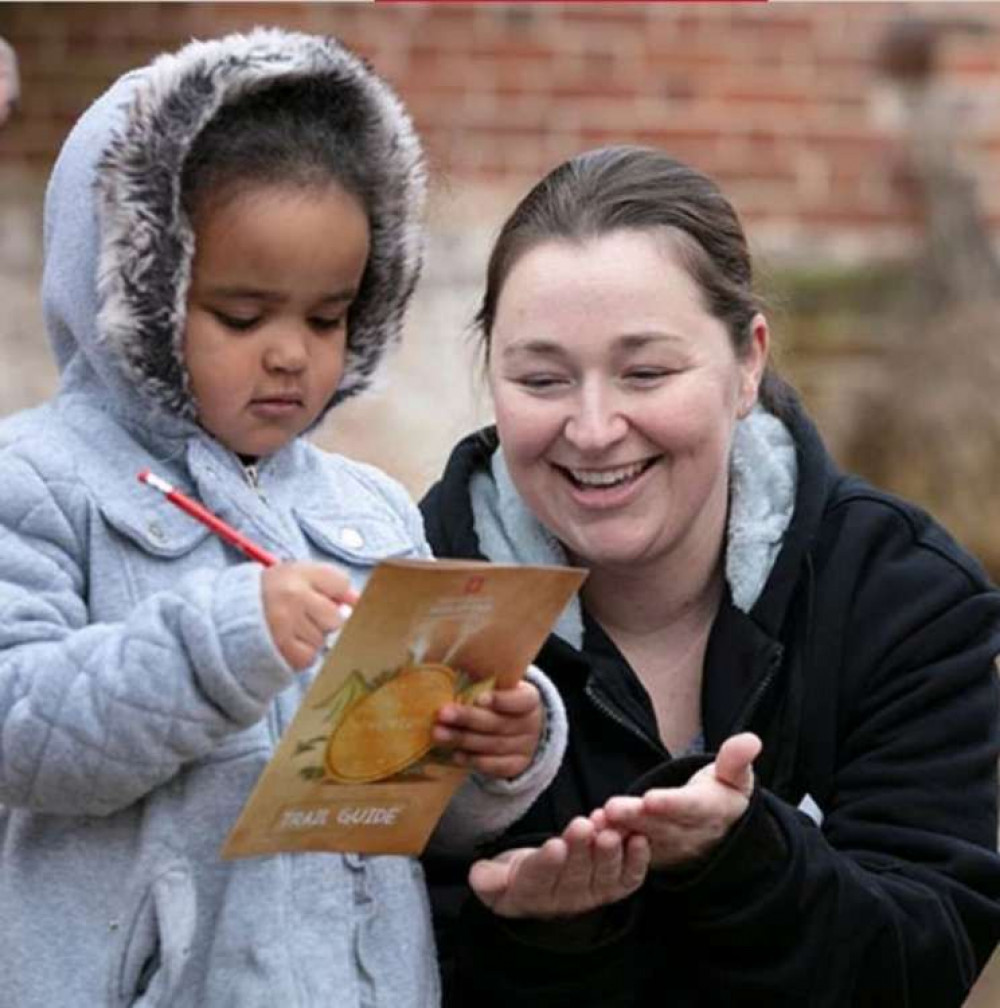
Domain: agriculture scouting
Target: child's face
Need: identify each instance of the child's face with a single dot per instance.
(275, 269)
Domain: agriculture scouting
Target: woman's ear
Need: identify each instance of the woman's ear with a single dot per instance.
(752, 364)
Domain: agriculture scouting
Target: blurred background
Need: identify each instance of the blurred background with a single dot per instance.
(860, 143)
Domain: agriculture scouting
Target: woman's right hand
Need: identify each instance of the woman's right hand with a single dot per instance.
(581, 870)
(302, 604)
(685, 824)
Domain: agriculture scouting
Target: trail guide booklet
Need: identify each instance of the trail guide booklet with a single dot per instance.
(357, 770)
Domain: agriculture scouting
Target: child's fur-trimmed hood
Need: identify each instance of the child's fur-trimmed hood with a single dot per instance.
(119, 247)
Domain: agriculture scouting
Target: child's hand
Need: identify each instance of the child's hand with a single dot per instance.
(497, 734)
(302, 604)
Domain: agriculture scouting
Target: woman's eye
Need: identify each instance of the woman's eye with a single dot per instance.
(646, 375)
(540, 383)
(238, 322)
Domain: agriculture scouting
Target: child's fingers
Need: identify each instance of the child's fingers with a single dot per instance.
(332, 582)
(520, 699)
(475, 743)
(501, 767)
(299, 653)
(323, 613)
(463, 718)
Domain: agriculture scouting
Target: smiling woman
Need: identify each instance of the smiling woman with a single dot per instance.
(760, 636)
(617, 419)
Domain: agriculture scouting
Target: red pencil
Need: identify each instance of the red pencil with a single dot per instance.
(202, 514)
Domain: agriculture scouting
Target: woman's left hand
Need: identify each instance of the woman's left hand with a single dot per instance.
(685, 824)
(581, 870)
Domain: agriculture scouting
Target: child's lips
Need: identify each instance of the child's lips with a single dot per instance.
(276, 407)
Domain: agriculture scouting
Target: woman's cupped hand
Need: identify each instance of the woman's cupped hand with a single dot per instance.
(601, 859)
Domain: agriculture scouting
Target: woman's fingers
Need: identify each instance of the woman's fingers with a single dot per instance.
(623, 812)
(520, 883)
(572, 874)
(636, 860)
(734, 763)
(607, 866)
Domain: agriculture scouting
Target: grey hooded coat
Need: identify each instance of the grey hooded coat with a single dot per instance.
(140, 690)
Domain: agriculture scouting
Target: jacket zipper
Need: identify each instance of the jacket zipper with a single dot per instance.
(753, 703)
(251, 473)
(623, 723)
(740, 724)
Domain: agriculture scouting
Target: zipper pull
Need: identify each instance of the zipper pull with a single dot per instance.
(252, 476)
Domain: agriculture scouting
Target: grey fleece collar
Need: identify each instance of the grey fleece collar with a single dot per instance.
(146, 243)
(763, 481)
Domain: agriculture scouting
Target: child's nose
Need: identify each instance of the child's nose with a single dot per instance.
(286, 353)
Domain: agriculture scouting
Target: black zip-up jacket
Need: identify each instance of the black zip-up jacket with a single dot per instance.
(867, 667)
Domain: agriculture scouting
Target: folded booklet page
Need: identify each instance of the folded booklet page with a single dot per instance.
(357, 770)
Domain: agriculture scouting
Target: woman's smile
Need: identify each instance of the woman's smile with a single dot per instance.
(609, 487)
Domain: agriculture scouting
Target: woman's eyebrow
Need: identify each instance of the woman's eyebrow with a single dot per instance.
(539, 347)
(628, 342)
(641, 340)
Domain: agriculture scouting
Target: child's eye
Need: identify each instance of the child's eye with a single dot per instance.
(237, 322)
(328, 324)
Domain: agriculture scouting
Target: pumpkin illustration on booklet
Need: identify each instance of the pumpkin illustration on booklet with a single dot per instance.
(382, 727)
(389, 728)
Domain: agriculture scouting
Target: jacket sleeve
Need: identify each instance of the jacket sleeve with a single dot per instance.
(95, 715)
(483, 807)
(895, 899)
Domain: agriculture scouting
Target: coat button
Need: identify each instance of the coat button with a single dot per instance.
(155, 530)
(351, 538)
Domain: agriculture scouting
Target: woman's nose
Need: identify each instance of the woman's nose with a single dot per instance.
(595, 423)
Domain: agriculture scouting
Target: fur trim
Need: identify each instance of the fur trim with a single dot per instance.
(147, 244)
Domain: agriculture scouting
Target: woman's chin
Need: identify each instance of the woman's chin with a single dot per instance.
(611, 552)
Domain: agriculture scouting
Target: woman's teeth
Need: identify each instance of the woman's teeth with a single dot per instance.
(607, 477)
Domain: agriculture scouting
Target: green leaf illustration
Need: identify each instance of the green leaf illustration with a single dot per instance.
(308, 745)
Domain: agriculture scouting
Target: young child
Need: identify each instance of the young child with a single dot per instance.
(232, 235)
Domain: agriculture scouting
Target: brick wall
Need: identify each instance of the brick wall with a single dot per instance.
(783, 104)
